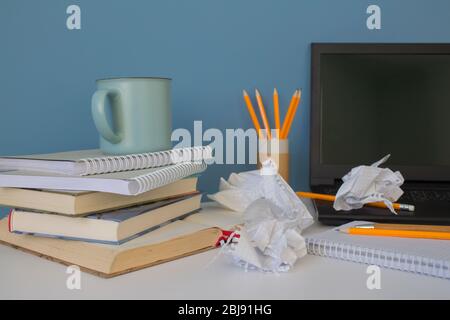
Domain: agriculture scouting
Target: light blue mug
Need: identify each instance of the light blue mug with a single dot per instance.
(140, 114)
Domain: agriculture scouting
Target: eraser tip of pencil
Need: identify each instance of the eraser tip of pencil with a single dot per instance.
(343, 230)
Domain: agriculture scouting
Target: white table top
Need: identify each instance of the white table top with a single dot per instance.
(25, 276)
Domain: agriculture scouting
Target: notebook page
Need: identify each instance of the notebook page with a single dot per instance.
(125, 182)
(63, 156)
(77, 155)
(216, 216)
(170, 231)
(123, 175)
(93, 162)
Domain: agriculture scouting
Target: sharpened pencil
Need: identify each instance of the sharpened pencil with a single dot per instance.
(262, 110)
(276, 112)
(330, 197)
(288, 112)
(418, 234)
(252, 113)
(292, 114)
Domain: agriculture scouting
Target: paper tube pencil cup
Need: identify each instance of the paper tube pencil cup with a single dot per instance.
(278, 151)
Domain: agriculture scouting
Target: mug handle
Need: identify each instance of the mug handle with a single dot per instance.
(99, 115)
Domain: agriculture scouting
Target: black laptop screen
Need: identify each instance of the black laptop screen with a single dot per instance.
(375, 104)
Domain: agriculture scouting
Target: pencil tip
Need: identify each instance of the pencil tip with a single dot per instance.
(244, 93)
(275, 91)
(257, 92)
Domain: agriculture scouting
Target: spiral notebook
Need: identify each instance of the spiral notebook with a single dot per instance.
(125, 182)
(422, 256)
(88, 162)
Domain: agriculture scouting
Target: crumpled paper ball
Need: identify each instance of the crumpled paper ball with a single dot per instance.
(242, 189)
(366, 184)
(274, 217)
(268, 242)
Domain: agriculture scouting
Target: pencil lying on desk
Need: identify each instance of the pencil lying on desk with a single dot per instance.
(408, 227)
(372, 230)
(329, 197)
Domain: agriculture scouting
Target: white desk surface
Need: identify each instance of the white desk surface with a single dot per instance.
(25, 276)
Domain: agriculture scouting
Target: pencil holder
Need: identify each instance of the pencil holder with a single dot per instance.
(278, 151)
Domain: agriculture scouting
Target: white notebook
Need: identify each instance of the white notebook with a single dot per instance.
(125, 182)
(88, 162)
(423, 256)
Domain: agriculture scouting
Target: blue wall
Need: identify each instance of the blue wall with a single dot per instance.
(211, 48)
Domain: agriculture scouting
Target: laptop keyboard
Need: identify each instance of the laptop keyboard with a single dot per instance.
(425, 195)
(411, 196)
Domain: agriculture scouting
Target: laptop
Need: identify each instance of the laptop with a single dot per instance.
(370, 100)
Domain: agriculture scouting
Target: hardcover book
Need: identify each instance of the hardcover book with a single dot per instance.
(76, 203)
(197, 233)
(114, 227)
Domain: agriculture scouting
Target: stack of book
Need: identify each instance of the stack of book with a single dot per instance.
(85, 201)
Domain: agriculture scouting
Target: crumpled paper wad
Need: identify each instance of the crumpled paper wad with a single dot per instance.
(366, 184)
(274, 217)
(268, 242)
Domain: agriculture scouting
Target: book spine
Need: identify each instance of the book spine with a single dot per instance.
(10, 217)
(381, 258)
(168, 175)
(144, 160)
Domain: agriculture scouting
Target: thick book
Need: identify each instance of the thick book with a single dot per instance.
(422, 256)
(88, 162)
(125, 182)
(114, 227)
(197, 233)
(77, 203)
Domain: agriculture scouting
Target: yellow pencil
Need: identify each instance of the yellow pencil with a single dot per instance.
(252, 113)
(262, 110)
(371, 230)
(409, 227)
(286, 118)
(276, 112)
(292, 115)
(329, 197)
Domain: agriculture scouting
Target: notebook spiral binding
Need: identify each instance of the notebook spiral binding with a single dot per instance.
(138, 161)
(168, 175)
(381, 258)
